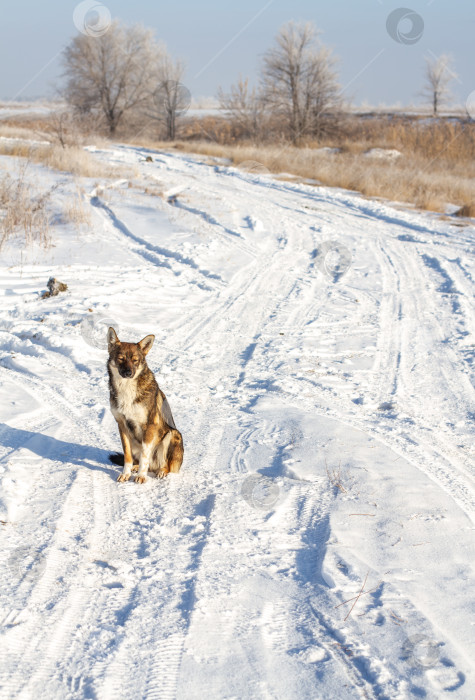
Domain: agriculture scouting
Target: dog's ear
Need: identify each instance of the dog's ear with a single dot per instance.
(146, 343)
(112, 338)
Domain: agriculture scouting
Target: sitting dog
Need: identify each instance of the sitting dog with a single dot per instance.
(147, 430)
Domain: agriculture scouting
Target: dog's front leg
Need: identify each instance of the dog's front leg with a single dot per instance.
(148, 441)
(162, 452)
(128, 459)
(144, 462)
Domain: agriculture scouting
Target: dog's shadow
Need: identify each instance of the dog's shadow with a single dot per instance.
(55, 450)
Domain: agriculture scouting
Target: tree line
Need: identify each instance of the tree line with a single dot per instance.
(126, 76)
(121, 74)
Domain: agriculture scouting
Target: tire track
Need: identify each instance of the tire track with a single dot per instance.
(205, 451)
(405, 371)
(79, 603)
(157, 255)
(134, 625)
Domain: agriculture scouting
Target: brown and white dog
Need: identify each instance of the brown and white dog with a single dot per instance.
(147, 430)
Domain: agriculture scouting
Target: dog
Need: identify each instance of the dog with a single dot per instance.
(147, 430)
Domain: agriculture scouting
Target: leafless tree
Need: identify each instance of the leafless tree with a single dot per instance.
(245, 106)
(299, 80)
(169, 100)
(63, 127)
(438, 76)
(112, 73)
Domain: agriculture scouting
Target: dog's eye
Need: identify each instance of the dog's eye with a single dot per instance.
(135, 360)
(120, 358)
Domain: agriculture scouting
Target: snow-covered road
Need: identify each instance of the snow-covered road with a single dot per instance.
(318, 351)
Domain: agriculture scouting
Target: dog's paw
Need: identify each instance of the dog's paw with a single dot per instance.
(161, 474)
(135, 468)
(140, 479)
(123, 477)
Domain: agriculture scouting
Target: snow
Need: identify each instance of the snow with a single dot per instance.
(327, 151)
(317, 350)
(383, 153)
(9, 109)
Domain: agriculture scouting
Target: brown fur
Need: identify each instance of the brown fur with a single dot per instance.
(147, 430)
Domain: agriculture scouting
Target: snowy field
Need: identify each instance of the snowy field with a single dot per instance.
(317, 349)
(12, 110)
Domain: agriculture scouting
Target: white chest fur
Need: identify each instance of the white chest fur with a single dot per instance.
(126, 395)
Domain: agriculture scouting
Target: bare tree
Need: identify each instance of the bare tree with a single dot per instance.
(438, 76)
(64, 127)
(169, 100)
(245, 107)
(112, 73)
(299, 80)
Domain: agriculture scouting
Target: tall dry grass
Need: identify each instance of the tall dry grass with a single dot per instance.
(72, 160)
(76, 212)
(436, 166)
(24, 211)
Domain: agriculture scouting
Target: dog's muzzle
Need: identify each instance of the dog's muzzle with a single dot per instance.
(126, 373)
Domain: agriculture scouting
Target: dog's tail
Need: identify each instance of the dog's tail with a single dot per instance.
(117, 458)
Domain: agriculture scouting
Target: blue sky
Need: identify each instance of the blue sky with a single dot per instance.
(373, 67)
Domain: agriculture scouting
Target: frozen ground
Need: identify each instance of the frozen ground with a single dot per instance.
(317, 350)
(9, 109)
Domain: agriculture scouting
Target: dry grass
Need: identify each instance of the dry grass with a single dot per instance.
(335, 477)
(467, 210)
(410, 179)
(23, 211)
(437, 165)
(74, 160)
(18, 131)
(154, 192)
(75, 212)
